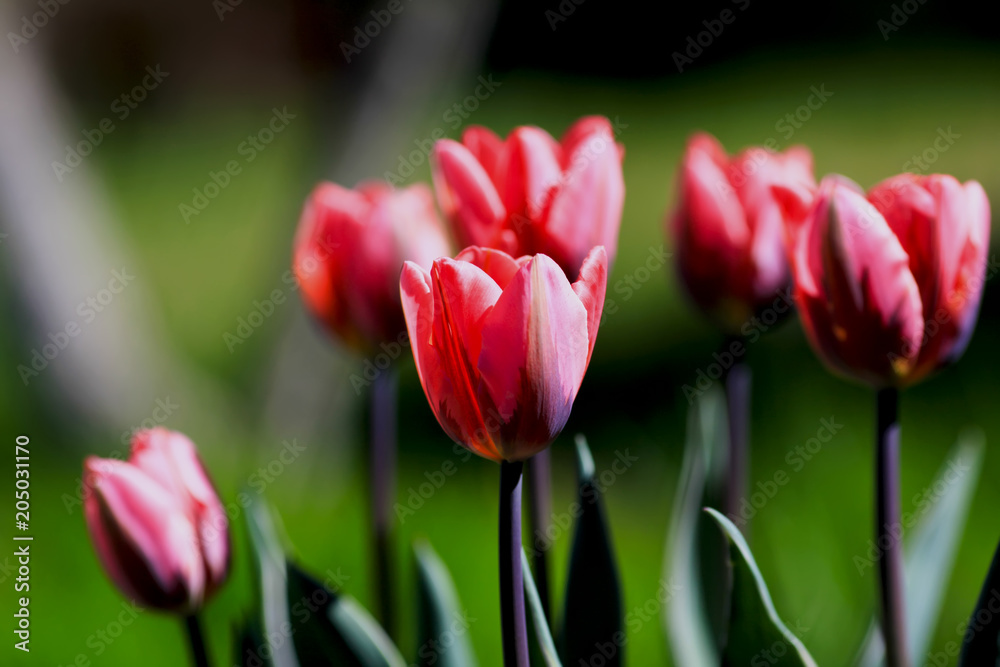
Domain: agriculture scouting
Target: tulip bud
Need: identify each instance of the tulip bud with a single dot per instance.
(349, 250)
(156, 522)
(728, 227)
(530, 194)
(501, 345)
(889, 286)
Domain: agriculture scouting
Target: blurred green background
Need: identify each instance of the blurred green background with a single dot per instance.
(888, 102)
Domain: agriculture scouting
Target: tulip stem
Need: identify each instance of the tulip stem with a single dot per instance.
(888, 528)
(513, 623)
(540, 498)
(382, 471)
(196, 638)
(738, 411)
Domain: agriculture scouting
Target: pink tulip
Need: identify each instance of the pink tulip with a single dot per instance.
(889, 286)
(349, 250)
(502, 345)
(531, 194)
(156, 522)
(728, 227)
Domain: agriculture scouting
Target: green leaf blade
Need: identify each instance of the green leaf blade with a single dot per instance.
(755, 629)
(441, 615)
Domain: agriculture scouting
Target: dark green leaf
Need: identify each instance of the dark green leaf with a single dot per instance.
(930, 550)
(250, 648)
(982, 636)
(333, 629)
(696, 551)
(536, 617)
(755, 630)
(592, 615)
(444, 623)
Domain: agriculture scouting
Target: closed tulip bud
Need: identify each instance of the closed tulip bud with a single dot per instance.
(349, 250)
(157, 524)
(530, 194)
(889, 285)
(502, 345)
(728, 228)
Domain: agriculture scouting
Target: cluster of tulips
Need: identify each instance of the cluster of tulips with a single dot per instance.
(887, 285)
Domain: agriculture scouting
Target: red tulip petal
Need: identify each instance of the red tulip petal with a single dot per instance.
(500, 266)
(587, 208)
(485, 146)
(444, 313)
(534, 356)
(530, 170)
(580, 132)
(466, 194)
(591, 287)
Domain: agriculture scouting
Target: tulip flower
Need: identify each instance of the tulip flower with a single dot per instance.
(501, 347)
(158, 526)
(349, 250)
(728, 227)
(530, 194)
(502, 344)
(889, 287)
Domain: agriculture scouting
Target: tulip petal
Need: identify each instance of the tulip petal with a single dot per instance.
(172, 459)
(530, 171)
(444, 313)
(497, 264)
(591, 287)
(143, 536)
(466, 194)
(485, 146)
(874, 322)
(535, 348)
(587, 207)
(329, 222)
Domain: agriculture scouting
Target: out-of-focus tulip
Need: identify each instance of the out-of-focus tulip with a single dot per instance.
(889, 286)
(157, 524)
(531, 194)
(502, 345)
(728, 228)
(349, 250)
